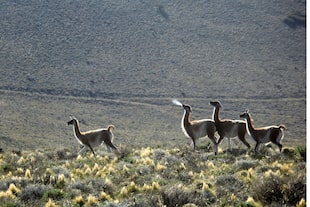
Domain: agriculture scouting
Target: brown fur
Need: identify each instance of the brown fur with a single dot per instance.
(228, 128)
(93, 138)
(195, 129)
(267, 134)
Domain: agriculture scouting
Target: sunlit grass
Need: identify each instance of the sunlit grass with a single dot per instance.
(151, 176)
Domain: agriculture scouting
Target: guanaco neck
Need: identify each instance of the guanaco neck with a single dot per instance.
(249, 124)
(186, 123)
(77, 132)
(186, 118)
(216, 114)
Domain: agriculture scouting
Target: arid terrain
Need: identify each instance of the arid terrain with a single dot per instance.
(121, 63)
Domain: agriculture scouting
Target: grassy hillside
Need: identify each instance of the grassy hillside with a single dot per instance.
(153, 177)
(121, 62)
(114, 49)
(40, 121)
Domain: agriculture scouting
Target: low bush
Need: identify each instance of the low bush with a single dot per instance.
(269, 190)
(227, 185)
(33, 192)
(82, 186)
(179, 195)
(55, 194)
(302, 151)
(283, 191)
(295, 190)
(245, 164)
(175, 196)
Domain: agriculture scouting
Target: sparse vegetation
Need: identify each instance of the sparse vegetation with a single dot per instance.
(152, 177)
(120, 63)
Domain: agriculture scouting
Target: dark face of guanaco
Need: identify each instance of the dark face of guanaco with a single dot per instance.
(71, 122)
(216, 104)
(245, 115)
(187, 108)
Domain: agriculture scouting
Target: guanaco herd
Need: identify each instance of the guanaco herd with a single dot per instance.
(194, 129)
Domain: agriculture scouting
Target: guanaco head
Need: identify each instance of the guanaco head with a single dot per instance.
(245, 115)
(187, 108)
(71, 122)
(216, 104)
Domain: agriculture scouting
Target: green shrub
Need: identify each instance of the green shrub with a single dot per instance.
(245, 164)
(279, 190)
(3, 185)
(6, 167)
(295, 190)
(269, 190)
(227, 184)
(175, 196)
(179, 196)
(124, 152)
(61, 170)
(82, 186)
(302, 151)
(112, 204)
(10, 204)
(55, 194)
(158, 154)
(290, 152)
(143, 200)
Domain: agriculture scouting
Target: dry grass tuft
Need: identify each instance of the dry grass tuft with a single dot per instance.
(151, 177)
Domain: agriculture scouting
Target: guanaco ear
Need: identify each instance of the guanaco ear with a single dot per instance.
(220, 104)
(247, 111)
(72, 117)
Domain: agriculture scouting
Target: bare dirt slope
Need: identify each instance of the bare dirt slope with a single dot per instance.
(122, 61)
